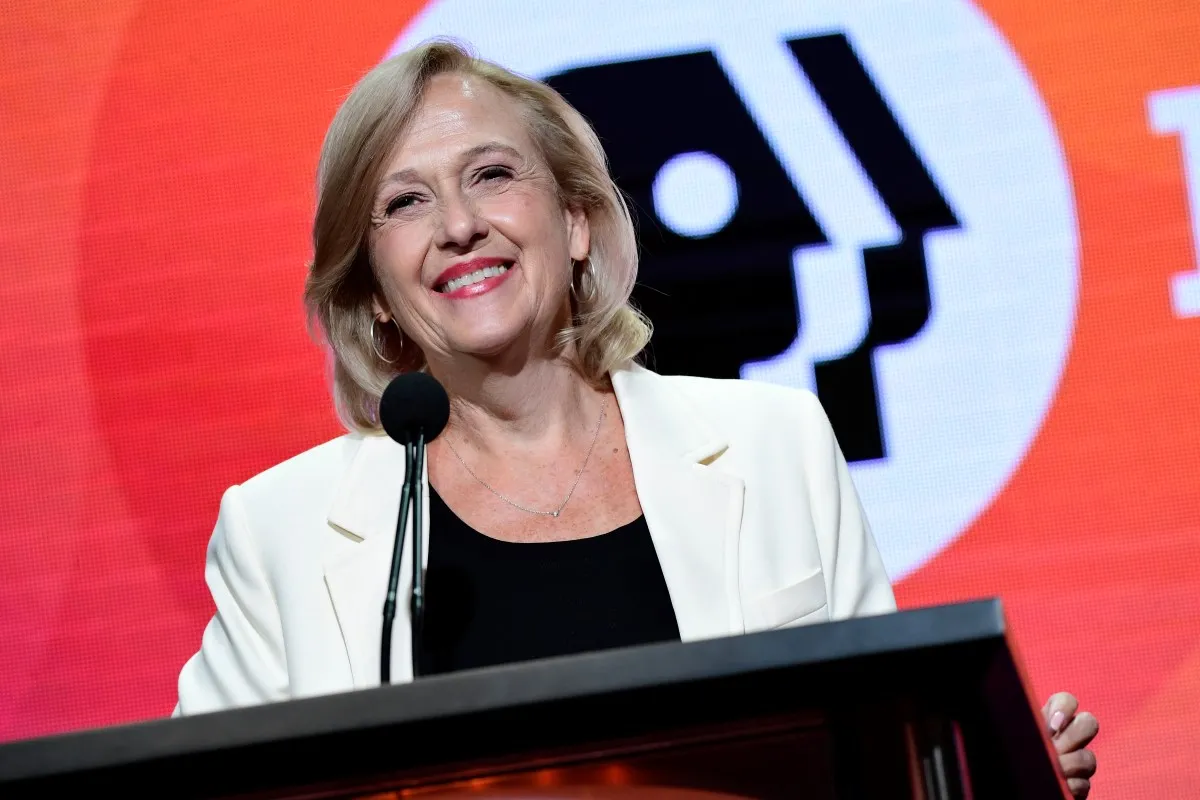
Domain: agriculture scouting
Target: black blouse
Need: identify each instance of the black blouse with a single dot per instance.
(493, 602)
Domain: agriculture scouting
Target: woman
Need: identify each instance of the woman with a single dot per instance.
(467, 225)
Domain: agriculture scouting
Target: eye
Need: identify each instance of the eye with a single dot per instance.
(400, 203)
(495, 172)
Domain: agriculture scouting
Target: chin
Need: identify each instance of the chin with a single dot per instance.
(497, 336)
(491, 344)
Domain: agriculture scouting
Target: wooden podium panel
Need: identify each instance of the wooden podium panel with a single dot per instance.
(926, 704)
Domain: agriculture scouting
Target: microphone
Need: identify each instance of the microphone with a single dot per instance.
(413, 410)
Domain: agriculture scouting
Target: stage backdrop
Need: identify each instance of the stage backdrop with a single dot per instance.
(972, 229)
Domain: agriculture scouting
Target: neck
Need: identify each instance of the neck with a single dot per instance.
(522, 402)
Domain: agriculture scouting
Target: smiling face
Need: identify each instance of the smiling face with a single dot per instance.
(470, 241)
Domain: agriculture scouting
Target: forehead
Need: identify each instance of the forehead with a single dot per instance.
(458, 112)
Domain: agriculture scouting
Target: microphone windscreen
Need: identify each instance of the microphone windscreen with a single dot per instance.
(412, 403)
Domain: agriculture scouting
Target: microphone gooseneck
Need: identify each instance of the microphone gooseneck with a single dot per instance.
(413, 410)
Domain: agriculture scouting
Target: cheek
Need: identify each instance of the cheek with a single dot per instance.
(533, 223)
(513, 213)
(398, 259)
(523, 206)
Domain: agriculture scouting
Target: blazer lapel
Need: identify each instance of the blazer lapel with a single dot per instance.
(692, 507)
(365, 507)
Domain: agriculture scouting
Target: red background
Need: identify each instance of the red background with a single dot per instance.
(157, 162)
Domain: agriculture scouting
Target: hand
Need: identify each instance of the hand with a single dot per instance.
(1071, 730)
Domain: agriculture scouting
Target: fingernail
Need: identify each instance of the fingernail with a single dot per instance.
(1056, 721)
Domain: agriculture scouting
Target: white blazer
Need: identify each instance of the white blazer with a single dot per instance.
(744, 489)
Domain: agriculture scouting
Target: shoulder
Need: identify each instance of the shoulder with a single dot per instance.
(301, 487)
(725, 392)
(314, 467)
(732, 403)
(761, 423)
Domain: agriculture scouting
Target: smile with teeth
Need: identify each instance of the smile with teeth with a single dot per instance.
(473, 277)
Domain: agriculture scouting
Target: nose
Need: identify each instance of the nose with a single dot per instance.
(460, 224)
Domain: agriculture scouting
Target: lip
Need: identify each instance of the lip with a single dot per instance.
(466, 268)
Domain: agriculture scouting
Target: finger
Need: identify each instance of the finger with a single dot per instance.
(1058, 710)
(1079, 787)
(1079, 732)
(1080, 764)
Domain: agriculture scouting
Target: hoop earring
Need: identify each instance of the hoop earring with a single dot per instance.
(587, 268)
(374, 343)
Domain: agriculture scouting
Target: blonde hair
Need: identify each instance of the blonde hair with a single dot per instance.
(605, 330)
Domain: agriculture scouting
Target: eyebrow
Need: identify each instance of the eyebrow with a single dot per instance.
(410, 175)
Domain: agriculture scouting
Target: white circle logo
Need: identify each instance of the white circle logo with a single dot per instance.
(956, 400)
(695, 194)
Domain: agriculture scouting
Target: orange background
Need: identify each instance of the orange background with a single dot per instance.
(157, 162)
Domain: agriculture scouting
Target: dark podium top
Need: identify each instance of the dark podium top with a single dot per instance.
(918, 704)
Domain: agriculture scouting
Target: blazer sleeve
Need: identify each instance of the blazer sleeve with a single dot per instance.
(857, 581)
(241, 659)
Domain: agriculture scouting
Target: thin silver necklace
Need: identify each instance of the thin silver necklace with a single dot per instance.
(567, 499)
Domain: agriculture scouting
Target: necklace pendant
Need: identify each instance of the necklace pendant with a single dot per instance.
(554, 513)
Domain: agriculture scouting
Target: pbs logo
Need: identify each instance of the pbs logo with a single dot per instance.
(866, 200)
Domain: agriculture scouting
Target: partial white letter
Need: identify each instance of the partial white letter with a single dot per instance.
(1177, 111)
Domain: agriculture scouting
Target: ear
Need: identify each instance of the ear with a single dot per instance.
(579, 234)
(378, 311)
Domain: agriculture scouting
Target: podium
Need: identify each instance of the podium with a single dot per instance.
(927, 704)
